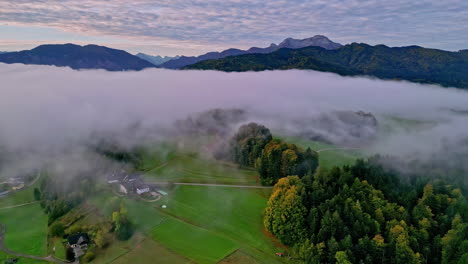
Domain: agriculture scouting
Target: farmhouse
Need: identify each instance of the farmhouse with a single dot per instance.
(79, 240)
(78, 243)
(128, 183)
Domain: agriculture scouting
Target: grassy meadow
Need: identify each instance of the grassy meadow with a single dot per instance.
(26, 229)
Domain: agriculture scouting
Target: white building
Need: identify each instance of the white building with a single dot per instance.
(141, 190)
(123, 189)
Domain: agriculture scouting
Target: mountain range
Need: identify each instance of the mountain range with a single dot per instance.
(78, 57)
(412, 63)
(156, 60)
(290, 43)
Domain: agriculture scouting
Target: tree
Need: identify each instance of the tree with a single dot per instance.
(341, 258)
(37, 194)
(123, 227)
(455, 242)
(285, 214)
(88, 256)
(102, 239)
(76, 228)
(57, 229)
(279, 159)
(248, 143)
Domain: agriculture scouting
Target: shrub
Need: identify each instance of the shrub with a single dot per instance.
(57, 229)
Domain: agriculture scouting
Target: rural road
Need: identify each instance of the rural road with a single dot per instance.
(212, 185)
(3, 247)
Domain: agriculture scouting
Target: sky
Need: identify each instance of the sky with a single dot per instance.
(183, 27)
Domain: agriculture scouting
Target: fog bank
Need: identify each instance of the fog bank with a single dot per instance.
(46, 110)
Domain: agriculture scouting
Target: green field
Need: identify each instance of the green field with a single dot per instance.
(148, 251)
(60, 251)
(232, 213)
(26, 229)
(240, 257)
(203, 224)
(19, 197)
(198, 244)
(328, 158)
(184, 168)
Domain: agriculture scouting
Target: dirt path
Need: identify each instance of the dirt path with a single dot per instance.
(18, 205)
(3, 247)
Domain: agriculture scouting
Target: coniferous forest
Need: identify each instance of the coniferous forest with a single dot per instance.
(361, 213)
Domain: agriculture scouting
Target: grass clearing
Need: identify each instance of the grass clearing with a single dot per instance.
(26, 229)
(234, 213)
(239, 257)
(19, 197)
(184, 168)
(328, 158)
(58, 248)
(198, 244)
(149, 251)
(115, 250)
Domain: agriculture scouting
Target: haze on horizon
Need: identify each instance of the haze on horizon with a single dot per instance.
(179, 27)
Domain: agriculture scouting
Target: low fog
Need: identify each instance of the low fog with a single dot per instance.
(49, 112)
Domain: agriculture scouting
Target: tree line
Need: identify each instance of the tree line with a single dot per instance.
(366, 213)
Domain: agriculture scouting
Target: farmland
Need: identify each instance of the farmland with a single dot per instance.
(200, 224)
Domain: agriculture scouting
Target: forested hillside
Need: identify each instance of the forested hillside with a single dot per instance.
(411, 63)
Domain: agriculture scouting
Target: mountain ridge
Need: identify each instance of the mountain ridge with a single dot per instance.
(317, 40)
(77, 57)
(411, 63)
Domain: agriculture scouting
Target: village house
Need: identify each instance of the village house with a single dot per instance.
(128, 183)
(78, 243)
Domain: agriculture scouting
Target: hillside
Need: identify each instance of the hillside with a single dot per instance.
(77, 57)
(290, 43)
(410, 63)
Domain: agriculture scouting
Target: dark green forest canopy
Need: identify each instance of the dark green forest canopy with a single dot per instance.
(254, 146)
(248, 143)
(365, 213)
(410, 63)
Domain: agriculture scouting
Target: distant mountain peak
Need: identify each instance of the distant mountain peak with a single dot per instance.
(156, 59)
(317, 40)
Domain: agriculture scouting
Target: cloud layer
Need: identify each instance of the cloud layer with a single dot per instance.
(200, 25)
(48, 109)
